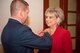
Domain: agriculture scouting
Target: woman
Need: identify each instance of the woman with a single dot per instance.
(61, 40)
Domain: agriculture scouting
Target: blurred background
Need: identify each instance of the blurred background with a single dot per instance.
(71, 10)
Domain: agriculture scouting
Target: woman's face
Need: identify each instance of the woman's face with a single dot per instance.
(51, 19)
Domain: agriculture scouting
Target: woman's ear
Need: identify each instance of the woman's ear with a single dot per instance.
(58, 20)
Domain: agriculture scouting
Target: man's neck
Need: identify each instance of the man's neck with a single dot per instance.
(16, 19)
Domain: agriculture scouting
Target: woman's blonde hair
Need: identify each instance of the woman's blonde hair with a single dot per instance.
(58, 12)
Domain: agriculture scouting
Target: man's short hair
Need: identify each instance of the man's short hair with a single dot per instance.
(16, 5)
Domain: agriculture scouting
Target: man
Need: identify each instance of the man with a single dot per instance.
(19, 38)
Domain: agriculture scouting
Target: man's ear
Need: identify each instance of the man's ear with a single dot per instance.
(20, 13)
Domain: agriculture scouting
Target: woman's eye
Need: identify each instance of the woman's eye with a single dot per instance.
(50, 17)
